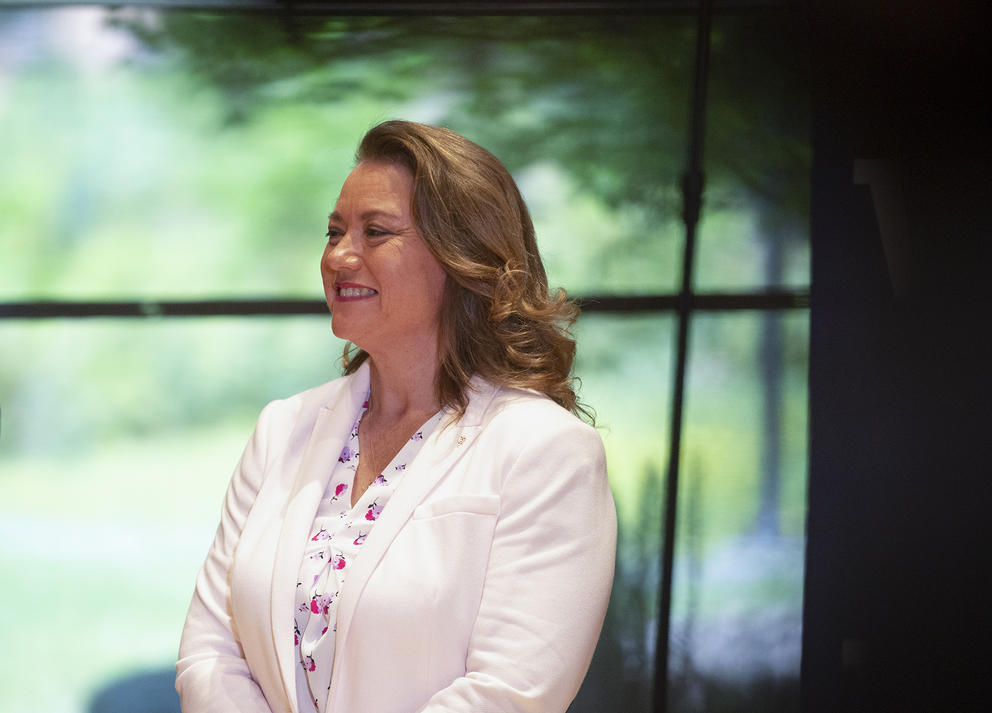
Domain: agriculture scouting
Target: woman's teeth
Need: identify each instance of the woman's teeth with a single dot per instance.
(356, 292)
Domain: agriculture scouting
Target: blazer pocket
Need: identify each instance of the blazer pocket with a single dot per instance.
(475, 504)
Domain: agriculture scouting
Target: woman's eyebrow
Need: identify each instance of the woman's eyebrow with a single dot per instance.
(367, 215)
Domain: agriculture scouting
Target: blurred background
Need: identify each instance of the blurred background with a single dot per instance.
(154, 154)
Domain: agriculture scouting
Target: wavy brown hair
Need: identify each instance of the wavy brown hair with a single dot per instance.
(498, 318)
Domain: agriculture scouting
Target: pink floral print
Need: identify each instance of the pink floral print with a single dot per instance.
(375, 509)
(328, 557)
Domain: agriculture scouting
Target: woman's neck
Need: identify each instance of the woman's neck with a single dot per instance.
(402, 386)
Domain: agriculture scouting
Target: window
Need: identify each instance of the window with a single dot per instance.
(170, 162)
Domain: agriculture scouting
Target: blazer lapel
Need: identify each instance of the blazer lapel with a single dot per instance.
(436, 459)
(330, 432)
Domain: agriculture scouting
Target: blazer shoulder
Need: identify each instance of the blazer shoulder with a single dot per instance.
(533, 415)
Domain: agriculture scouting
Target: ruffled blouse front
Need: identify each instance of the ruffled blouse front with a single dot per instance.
(338, 532)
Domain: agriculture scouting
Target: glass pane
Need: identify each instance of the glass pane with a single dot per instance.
(754, 231)
(175, 154)
(118, 439)
(737, 596)
(625, 366)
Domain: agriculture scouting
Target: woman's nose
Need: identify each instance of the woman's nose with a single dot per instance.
(343, 255)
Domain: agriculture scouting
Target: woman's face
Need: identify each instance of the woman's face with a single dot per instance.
(382, 284)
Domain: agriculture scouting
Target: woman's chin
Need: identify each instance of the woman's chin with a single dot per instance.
(337, 327)
(343, 330)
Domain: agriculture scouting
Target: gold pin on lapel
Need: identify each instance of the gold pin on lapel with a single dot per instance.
(461, 440)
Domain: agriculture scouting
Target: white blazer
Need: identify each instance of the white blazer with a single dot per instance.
(482, 587)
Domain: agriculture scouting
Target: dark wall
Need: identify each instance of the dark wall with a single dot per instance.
(897, 597)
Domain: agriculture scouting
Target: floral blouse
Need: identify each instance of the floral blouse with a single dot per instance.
(338, 532)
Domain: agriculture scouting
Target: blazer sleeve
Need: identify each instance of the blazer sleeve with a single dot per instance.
(549, 577)
(212, 674)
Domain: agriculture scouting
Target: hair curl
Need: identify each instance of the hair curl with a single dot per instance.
(498, 318)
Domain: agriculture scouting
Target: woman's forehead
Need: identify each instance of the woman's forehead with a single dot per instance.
(376, 187)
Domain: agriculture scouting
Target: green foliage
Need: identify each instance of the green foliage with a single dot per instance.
(203, 164)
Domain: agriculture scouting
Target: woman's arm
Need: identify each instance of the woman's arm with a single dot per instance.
(212, 674)
(548, 579)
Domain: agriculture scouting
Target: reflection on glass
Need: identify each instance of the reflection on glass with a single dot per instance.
(117, 442)
(737, 597)
(625, 366)
(174, 154)
(754, 231)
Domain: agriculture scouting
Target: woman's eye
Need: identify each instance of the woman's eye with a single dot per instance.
(374, 232)
(333, 235)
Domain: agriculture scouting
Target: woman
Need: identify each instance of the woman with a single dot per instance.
(433, 531)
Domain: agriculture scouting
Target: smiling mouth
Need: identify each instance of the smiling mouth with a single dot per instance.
(356, 292)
